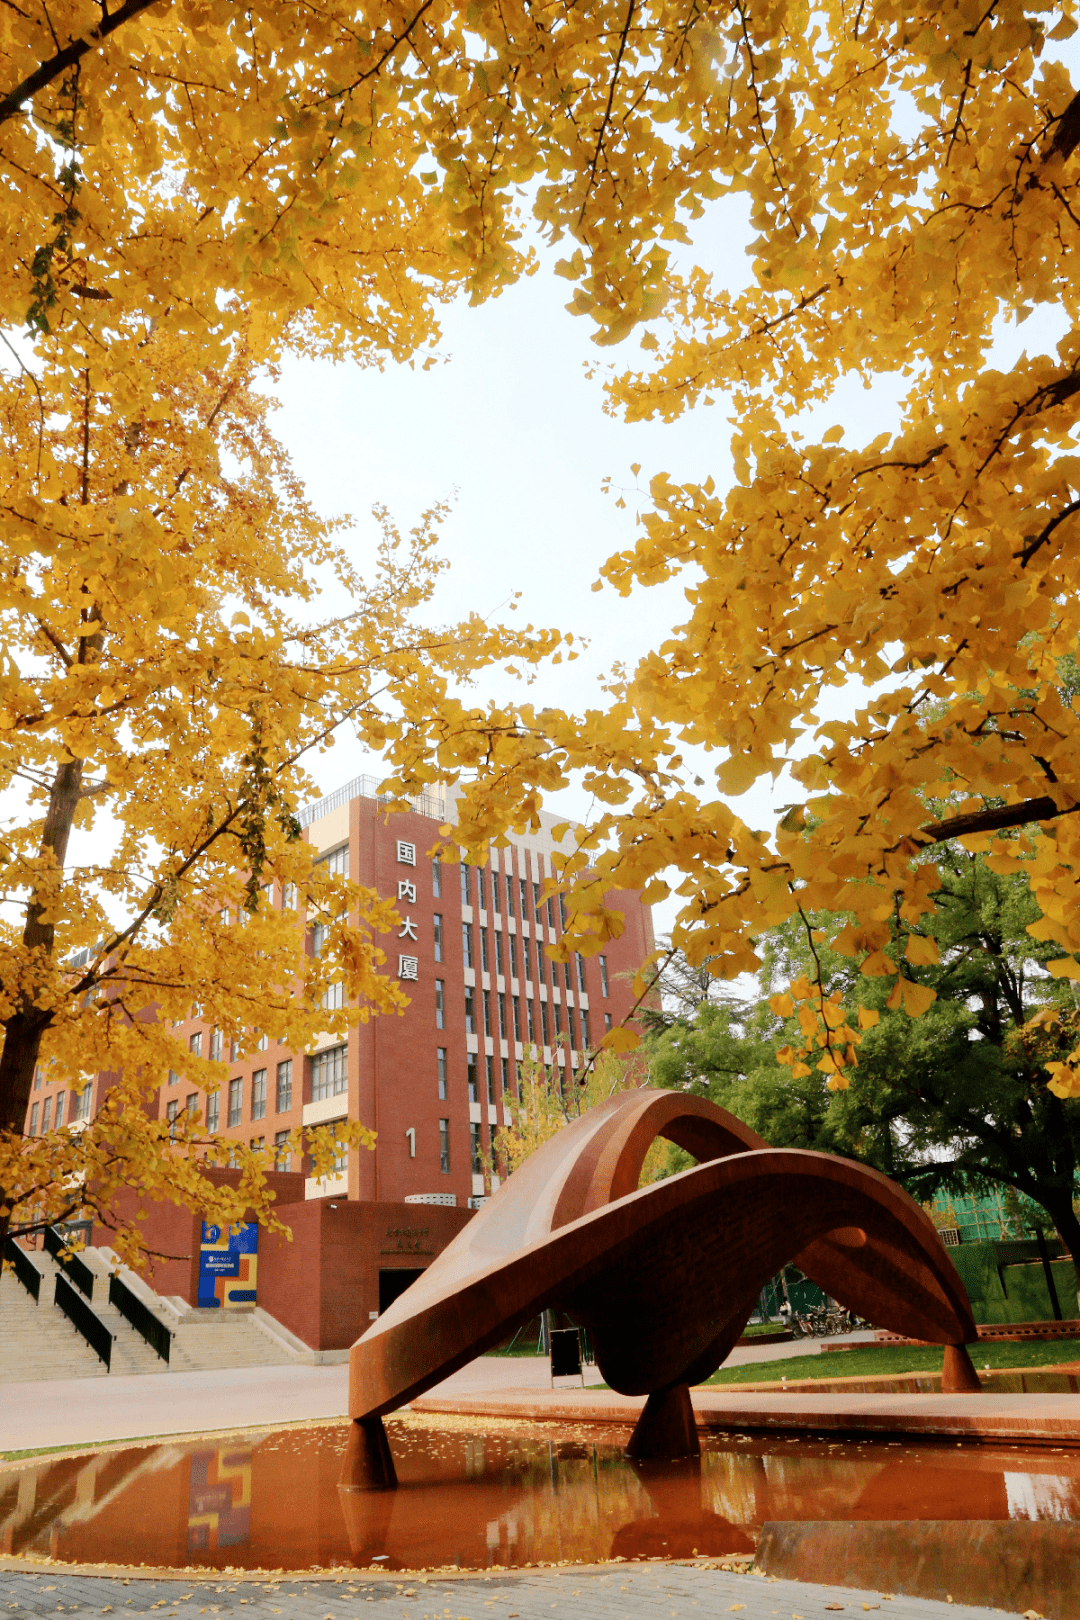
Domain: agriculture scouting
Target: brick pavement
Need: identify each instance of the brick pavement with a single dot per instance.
(653, 1591)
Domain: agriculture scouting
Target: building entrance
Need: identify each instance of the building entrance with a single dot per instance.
(393, 1283)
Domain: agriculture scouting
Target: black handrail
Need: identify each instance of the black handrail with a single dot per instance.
(84, 1320)
(141, 1318)
(24, 1268)
(77, 1269)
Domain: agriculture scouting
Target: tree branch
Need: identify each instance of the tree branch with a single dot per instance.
(1006, 815)
(66, 58)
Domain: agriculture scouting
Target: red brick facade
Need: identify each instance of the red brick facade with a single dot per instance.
(391, 1064)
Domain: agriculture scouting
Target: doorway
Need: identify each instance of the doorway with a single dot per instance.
(393, 1283)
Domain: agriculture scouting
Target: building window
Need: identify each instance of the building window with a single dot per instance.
(281, 1155)
(436, 879)
(498, 950)
(84, 1101)
(195, 1043)
(288, 897)
(444, 1146)
(234, 1047)
(262, 1043)
(329, 1073)
(506, 1076)
(59, 1110)
(567, 973)
(536, 901)
(466, 944)
(191, 1107)
(436, 932)
(236, 1101)
(476, 1149)
(586, 1040)
(215, 1045)
(540, 959)
(562, 912)
(173, 1077)
(607, 1023)
(470, 1067)
(170, 1114)
(440, 1004)
(440, 1059)
(502, 1017)
(337, 862)
(341, 1158)
(556, 1014)
(213, 1112)
(603, 977)
(530, 1014)
(580, 960)
(517, 1017)
(509, 894)
(464, 884)
(470, 1010)
(406, 853)
(480, 886)
(489, 1064)
(257, 1144)
(284, 1086)
(258, 1094)
(485, 963)
(33, 1120)
(570, 1027)
(544, 1022)
(487, 1011)
(37, 1078)
(46, 1113)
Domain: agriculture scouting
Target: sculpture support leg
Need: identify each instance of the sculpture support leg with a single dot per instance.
(369, 1462)
(958, 1375)
(666, 1427)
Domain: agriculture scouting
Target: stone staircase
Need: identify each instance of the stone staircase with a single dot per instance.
(37, 1342)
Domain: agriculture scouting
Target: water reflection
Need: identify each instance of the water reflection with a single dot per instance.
(510, 1497)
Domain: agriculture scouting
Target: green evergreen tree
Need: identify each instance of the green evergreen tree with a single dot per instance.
(954, 1099)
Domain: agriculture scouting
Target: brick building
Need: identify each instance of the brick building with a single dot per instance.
(438, 1081)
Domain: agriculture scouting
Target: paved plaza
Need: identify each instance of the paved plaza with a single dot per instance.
(76, 1411)
(654, 1591)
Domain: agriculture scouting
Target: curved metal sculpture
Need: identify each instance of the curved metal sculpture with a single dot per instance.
(665, 1276)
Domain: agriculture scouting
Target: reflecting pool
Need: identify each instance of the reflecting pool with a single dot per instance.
(474, 1494)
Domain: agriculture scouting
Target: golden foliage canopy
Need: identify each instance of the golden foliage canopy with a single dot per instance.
(911, 174)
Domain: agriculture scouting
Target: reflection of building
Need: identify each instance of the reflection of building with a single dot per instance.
(435, 1083)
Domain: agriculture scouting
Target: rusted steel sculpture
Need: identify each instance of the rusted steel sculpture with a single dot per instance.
(666, 1276)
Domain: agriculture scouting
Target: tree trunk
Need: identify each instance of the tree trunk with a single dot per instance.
(26, 1026)
(1068, 1224)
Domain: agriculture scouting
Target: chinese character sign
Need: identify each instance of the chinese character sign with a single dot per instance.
(406, 853)
(408, 967)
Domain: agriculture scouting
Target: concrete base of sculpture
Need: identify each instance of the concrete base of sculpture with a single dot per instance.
(666, 1427)
(663, 1276)
(369, 1462)
(958, 1375)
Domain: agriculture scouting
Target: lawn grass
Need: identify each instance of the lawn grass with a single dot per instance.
(890, 1360)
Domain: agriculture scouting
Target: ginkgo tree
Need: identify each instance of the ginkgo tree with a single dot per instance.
(910, 173)
(168, 661)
